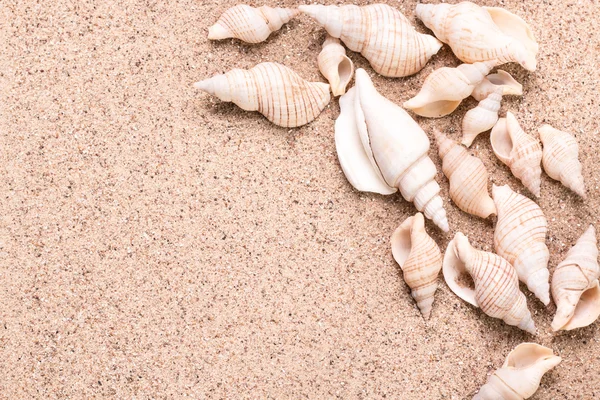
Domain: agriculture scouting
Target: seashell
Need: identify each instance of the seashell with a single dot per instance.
(380, 33)
(519, 151)
(496, 283)
(561, 158)
(520, 375)
(335, 65)
(575, 288)
(490, 83)
(252, 25)
(420, 259)
(481, 118)
(468, 177)
(446, 87)
(520, 237)
(481, 33)
(382, 149)
(272, 89)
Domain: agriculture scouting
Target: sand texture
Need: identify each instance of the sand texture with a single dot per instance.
(156, 242)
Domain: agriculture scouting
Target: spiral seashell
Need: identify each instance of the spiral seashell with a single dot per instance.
(561, 158)
(335, 65)
(575, 288)
(519, 151)
(520, 375)
(490, 83)
(420, 259)
(380, 33)
(382, 149)
(481, 118)
(481, 33)
(496, 283)
(272, 89)
(468, 177)
(445, 88)
(252, 25)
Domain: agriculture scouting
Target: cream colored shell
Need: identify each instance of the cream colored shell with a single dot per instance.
(496, 283)
(468, 177)
(481, 118)
(520, 375)
(445, 88)
(561, 158)
(382, 149)
(519, 151)
(501, 79)
(575, 288)
(272, 89)
(380, 33)
(335, 65)
(481, 33)
(420, 259)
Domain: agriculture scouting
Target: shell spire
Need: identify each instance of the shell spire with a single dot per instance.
(481, 118)
(335, 65)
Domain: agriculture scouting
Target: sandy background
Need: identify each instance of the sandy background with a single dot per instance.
(158, 243)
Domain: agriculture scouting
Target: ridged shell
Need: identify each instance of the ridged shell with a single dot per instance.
(382, 149)
(481, 33)
(481, 118)
(252, 25)
(468, 177)
(446, 87)
(501, 79)
(519, 151)
(575, 288)
(380, 33)
(420, 259)
(335, 65)
(496, 283)
(561, 158)
(520, 237)
(521, 374)
(272, 89)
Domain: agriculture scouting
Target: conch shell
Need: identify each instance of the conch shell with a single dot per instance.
(468, 177)
(420, 259)
(335, 65)
(446, 87)
(520, 375)
(575, 287)
(519, 151)
(382, 149)
(501, 79)
(481, 33)
(561, 158)
(481, 118)
(496, 283)
(272, 89)
(380, 33)
(252, 25)
(520, 237)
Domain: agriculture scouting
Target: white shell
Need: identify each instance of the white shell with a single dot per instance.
(481, 118)
(382, 149)
(380, 33)
(335, 65)
(501, 79)
(272, 89)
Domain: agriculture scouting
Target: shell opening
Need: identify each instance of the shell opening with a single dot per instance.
(345, 70)
(502, 143)
(527, 354)
(455, 272)
(401, 240)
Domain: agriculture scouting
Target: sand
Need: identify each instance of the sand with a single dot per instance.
(158, 243)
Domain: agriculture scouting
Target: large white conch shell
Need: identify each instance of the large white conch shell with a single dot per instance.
(420, 259)
(468, 177)
(252, 25)
(272, 89)
(481, 118)
(335, 65)
(520, 375)
(382, 149)
(561, 158)
(501, 79)
(446, 87)
(481, 33)
(380, 33)
(521, 152)
(496, 283)
(575, 288)
(520, 237)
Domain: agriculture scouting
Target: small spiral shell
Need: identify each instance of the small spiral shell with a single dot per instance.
(335, 65)
(481, 118)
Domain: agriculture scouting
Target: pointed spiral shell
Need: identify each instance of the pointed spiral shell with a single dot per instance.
(501, 79)
(335, 65)
(481, 118)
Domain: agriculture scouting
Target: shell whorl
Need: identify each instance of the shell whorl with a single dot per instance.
(335, 65)
(481, 118)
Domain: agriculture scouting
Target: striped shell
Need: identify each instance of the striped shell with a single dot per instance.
(481, 118)
(501, 79)
(335, 65)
